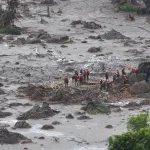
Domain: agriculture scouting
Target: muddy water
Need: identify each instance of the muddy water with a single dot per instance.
(72, 134)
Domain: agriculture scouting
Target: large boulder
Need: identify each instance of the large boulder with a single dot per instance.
(38, 112)
(91, 25)
(140, 88)
(7, 137)
(134, 77)
(94, 49)
(143, 67)
(22, 124)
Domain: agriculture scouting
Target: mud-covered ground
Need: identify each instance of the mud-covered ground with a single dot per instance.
(122, 43)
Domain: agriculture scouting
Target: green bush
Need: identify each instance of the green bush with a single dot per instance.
(131, 140)
(13, 30)
(127, 7)
(138, 122)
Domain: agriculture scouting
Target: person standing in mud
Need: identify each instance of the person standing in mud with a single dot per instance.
(81, 79)
(76, 72)
(118, 74)
(84, 75)
(123, 71)
(125, 79)
(66, 81)
(76, 79)
(87, 74)
(101, 82)
(106, 76)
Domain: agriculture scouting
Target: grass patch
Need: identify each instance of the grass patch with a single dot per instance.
(12, 30)
(127, 7)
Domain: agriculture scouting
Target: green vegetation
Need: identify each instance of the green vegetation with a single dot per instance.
(138, 122)
(128, 7)
(97, 108)
(13, 30)
(138, 138)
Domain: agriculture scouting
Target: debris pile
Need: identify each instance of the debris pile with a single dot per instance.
(38, 112)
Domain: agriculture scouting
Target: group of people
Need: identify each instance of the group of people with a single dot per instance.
(106, 84)
(78, 77)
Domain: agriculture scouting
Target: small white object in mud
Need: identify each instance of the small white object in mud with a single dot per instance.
(36, 51)
(6, 45)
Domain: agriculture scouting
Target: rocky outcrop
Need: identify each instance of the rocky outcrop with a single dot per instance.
(1, 92)
(38, 112)
(5, 114)
(22, 124)
(7, 137)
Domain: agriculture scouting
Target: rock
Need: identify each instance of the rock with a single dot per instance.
(140, 88)
(83, 117)
(134, 51)
(10, 38)
(91, 25)
(113, 34)
(5, 114)
(69, 69)
(7, 137)
(79, 113)
(83, 41)
(22, 124)
(17, 63)
(41, 138)
(143, 67)
(33, 41)
(28, 75)
(37, 112)
(132, 104)
(63, 46)
(50, 2)
(98, 37)
(19, 41)
(56, 123)
(43, 35)
(134, 77)
(57, 39)
(76, 22)
(47, 127)
(94, 49)
(109, 126)
(1, 85)
(25, 148)
(2, 92)
(130, 17)
(19, 104)
(69, 116)
(118, 110)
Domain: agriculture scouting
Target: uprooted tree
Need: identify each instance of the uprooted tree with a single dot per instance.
(7, 16)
